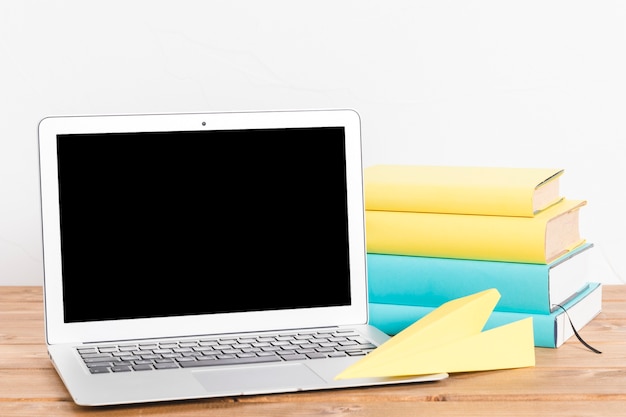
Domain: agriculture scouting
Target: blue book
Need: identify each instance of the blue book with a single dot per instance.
(430, 282)
(550, 330)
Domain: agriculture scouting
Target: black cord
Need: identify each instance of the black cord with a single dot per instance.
(591, 348)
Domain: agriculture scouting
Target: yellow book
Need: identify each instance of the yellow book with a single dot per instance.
(461, 190)
(539, 239)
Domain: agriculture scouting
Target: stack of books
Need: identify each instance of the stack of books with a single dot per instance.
(437, 233)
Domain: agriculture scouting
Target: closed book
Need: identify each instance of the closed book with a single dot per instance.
(539, 239)
(523, 287)
(461, 189)
(549, 330)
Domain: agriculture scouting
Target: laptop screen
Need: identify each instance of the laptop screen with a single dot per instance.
(157, 224)
(163, 225)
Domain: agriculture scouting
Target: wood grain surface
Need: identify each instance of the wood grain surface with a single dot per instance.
(568, 381)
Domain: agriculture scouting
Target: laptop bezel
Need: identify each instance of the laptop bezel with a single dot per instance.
(57, 331)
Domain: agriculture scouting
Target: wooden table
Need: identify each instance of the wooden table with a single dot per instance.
(566, 381)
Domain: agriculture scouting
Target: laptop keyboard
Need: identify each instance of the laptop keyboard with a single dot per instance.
(223, 350)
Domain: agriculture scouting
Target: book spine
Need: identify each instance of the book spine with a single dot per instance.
(550, 330)
(468, 190)
(510, 239)
(490, 238)
(430, 282)
(449, 199)
(393, 318)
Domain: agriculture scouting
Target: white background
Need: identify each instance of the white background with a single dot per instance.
(500, 83)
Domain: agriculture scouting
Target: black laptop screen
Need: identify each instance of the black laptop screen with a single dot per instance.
(170, 224)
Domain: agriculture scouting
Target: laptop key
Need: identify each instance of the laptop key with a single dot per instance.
(356, 353)
(104, 359)
(294, 357)
(316, 355)
(230, 361)
(99, 370)
(166, 365)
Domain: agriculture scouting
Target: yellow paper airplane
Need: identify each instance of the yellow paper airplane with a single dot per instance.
(450, 339)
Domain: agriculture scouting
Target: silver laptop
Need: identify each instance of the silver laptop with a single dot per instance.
(204, 255)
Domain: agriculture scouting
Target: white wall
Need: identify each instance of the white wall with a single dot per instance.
(510, 83)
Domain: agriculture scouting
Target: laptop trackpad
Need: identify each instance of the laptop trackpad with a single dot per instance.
(258, 379)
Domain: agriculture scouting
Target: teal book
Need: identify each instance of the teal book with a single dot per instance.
(550, 330)
(523, 287)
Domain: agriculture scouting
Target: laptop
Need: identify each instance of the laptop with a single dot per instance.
(204, 255)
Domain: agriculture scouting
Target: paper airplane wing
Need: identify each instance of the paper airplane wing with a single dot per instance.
(450, 340)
